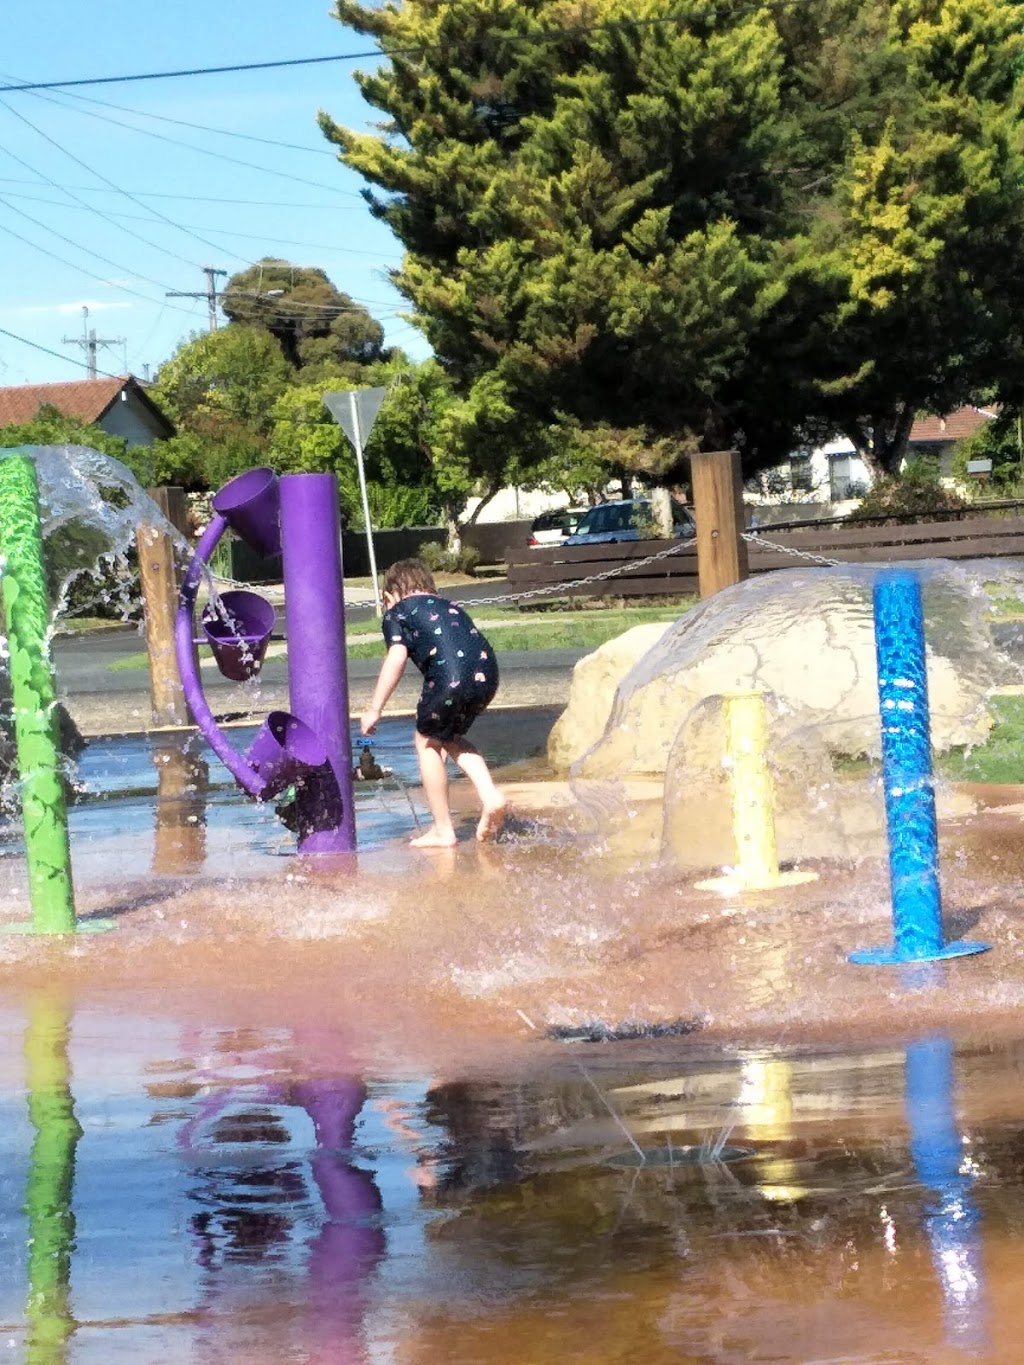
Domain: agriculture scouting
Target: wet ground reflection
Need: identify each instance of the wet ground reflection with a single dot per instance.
(171, 1192)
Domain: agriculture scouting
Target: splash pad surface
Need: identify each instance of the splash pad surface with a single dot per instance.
(544, 1101)
(479, 1195)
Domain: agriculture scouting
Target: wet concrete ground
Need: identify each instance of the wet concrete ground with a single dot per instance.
(356, 1110)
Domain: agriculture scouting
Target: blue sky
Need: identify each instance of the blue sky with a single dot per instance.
(73, 172)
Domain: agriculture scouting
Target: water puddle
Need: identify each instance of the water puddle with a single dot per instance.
(173, 1192)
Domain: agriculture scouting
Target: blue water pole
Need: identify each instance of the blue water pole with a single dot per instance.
(952, 1222)
(907, 779)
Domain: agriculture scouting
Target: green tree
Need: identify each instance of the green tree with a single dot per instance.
(316, 325)
(711, 226)
(1002, 442)
(50, 427)
(220, 389)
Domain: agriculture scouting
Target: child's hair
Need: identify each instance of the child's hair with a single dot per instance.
(406, 576)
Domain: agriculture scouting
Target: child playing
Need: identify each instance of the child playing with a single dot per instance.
(460, 678)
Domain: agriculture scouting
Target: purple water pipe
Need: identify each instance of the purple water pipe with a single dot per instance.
(312, 747)
(314, 605)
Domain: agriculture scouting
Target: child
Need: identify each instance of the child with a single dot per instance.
(460, 678)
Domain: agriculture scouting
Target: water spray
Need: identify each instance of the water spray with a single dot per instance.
(753, 802)
(908, 780)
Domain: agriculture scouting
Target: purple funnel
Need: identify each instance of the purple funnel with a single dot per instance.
(249, 505)
(238, 632)
(283, 751)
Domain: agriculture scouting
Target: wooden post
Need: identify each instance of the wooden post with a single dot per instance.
(718, 511)
(160, 603)
(179, 840)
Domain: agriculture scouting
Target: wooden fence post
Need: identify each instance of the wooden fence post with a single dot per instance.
(159, 579)
(718, 511)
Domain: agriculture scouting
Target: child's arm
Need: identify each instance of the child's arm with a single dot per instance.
(391, 671)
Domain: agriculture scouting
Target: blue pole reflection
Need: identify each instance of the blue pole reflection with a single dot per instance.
(951, 1221)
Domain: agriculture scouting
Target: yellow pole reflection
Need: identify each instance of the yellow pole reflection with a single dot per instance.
(51, 1219)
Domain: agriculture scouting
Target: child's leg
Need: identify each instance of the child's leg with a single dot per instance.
(434, 776)
(472, 762)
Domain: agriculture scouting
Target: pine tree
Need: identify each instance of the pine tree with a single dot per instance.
(724, 224)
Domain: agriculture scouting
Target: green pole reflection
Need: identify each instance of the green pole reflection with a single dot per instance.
(51, 1219)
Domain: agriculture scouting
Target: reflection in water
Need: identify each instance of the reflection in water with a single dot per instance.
(51, 1219)
(254, 1207)
(238, 1185)
(179, 839)
(951, 1222)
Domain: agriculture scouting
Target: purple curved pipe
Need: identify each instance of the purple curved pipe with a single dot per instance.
(244, 775)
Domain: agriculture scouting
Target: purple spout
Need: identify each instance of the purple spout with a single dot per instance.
(238, 631)
(249, 505)
(284, 751)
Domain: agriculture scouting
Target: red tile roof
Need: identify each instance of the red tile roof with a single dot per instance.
(86, 399)
(955, 426)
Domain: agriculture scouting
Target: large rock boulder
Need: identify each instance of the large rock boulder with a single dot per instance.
(804, 636)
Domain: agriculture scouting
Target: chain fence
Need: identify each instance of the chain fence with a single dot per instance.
(561, 588)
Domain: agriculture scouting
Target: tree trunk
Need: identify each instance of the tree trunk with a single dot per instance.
(661, 512)
(453, 528)
(881, 440)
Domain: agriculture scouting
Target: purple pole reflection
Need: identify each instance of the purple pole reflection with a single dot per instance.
(351, 1241)
(317, 677)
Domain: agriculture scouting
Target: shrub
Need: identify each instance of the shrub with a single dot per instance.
(915, 495)
(439, 559)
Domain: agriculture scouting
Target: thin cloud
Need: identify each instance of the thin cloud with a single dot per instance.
(93, 305)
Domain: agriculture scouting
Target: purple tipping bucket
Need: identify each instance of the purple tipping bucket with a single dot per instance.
(249, 505)
(238, 632)
(284, 749)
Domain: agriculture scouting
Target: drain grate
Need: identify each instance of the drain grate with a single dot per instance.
(621, 1033)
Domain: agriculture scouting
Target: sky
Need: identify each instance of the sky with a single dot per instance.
(113, 216)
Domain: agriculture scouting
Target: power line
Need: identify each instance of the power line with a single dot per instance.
(99, 176)
(231, 232)
(498, 36)
(191, 71)
(205, 151)
(81, 269)
(90, 342)
(46, 351)
(210, 294)
(191, 198)
(206, 128)
(91, 208)
(106, 260)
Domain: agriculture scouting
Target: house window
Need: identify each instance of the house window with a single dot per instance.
(839, 477)
(801, 474)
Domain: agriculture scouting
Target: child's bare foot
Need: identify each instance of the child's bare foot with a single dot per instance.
(492, 820)
(434, 838)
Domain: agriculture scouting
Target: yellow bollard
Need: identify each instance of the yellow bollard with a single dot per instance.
(753, 801)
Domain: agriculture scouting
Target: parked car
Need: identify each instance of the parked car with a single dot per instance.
(610, 522)
(551, 528)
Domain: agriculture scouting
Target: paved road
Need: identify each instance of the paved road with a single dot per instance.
(102, 701)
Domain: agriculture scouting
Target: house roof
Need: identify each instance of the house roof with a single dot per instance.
(87, 399)
(955, 426)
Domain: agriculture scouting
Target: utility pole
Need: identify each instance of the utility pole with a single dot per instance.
(211, 294)
(90, 342)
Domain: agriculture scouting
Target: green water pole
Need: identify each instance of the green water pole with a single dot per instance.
(48, 1198)
(36, 733)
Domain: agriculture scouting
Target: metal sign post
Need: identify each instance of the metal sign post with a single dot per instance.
(355, 411)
